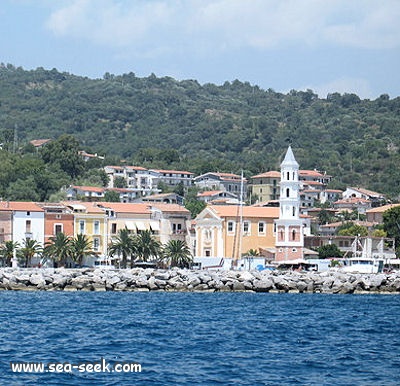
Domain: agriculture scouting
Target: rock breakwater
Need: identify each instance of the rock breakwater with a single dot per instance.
(139, 279)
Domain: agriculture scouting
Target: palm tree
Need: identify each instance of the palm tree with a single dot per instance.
(29, 249)
(80, 247)
(58, 248)
(146, 246)
(7, 252)
(177, 253)
(122, 245)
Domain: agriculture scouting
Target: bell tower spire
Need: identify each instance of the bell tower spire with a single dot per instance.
(289, 241)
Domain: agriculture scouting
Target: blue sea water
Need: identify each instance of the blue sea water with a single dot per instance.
(203, 338)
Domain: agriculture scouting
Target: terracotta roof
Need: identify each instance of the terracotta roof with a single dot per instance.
(381, 209)
(271, 174)
(366, 192)
(169, 207)
(209, 193)
(316, 183)
(89, 188)
(39, 142)
(22, 206)
(135, 167)
(172, 171)
(312, 173)
(90, 207)
(121, 207)
(248, 211)
(352, 200)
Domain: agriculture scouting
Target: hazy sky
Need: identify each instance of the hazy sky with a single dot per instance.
(325, 45)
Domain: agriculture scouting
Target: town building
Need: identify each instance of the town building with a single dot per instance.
(265, 186)
(227, 182)
(229, 231)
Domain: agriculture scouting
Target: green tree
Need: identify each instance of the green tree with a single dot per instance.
(120, 182)
(146, 246)
(64, 152)
(58, 248)
(80, 247)
(194, 206)
(177, 254)
(391, 225)
(30, 248)
(353, 230)
(111, 196)
(329, 250)
(122, 246)
(7, 252)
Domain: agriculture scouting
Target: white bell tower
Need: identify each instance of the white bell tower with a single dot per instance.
(289, 242)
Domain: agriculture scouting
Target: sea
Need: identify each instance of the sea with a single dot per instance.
(199, 338)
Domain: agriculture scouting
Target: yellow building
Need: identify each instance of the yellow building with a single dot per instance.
(265, 186)
(90, 220)
(232, 230)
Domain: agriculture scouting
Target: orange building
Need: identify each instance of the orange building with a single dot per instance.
(219, 234)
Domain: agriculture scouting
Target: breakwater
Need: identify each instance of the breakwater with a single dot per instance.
(139, 279)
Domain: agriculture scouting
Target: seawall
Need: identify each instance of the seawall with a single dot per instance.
(138, 279)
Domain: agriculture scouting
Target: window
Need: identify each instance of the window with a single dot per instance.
(293, 235)
(207, 253)
(113, 228)
(96, 227)
(261, 227)
(58, 228)
(231, 226)
(294, 211)
(287, 192)
(28, 226)
(82, 226)
(246, 227)
(28, 213)
(96, 244)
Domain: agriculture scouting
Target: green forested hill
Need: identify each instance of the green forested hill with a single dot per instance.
(162, 122)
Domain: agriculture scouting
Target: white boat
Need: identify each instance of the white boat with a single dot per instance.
(362, 260)
(363, 265)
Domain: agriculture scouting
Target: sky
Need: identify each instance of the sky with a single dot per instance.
(345, 46)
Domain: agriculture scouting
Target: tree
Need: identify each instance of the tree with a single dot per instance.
(146, 246)
(58, 248)
(111, 196)
(194, 206)
(7, 252)
(391, 224)
(120, 182)
(80, 247)
(29, 249)
(353, 230)
(64, 152)
(177, 254)
(329, 250)
(122, 246)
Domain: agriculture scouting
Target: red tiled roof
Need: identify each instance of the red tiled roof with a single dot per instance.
(89, 188)
(22, 206)
(121, 207)
(248, 211)
(270, 174)
(172, 171)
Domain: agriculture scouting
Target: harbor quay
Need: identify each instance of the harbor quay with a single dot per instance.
(184, 280)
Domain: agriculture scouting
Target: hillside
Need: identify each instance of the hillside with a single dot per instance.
(162, 122)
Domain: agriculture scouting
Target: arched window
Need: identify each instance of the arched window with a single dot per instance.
(287, 176)
(287, 192)
(281, 235)
(294, 211)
